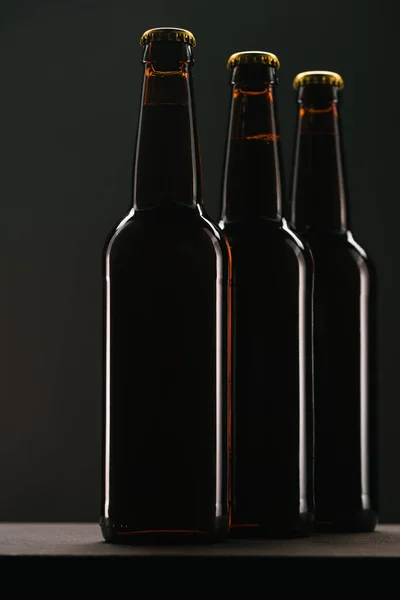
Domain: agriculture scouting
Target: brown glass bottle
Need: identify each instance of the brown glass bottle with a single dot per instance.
(344, 310)
(167, 328)
(272, 304)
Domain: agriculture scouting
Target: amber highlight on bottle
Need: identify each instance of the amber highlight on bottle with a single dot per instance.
(167, 330)
(272, 300)
(344, 311)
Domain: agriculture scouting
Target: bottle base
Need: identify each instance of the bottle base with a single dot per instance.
(117, 533)
(302, 526)
(364, 521)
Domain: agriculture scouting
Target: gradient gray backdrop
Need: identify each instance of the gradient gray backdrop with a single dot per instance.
(70, 76)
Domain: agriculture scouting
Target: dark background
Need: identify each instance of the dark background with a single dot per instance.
(70, 77)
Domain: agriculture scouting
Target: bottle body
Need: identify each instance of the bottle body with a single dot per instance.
(345, 289)
(345, 388)
(166, 470)
(167, 329)
(273, 405)
(272, 327)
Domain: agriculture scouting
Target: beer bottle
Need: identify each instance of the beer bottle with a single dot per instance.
(272, 304)
(344, 305)
(167, 272)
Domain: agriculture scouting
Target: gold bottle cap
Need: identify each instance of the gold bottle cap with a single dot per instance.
(168, 34)
(253, 57)
(328, 77)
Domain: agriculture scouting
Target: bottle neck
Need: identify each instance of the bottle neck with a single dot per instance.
(252, 186)
(167, 163)
(319, 180)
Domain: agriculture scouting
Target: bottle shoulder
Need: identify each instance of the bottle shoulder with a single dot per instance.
(337, 244)
(358, 251)
(339, 257)
(266, 233)
(164, 228)
(362, 259)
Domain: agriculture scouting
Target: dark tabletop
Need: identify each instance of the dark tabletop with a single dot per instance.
(52, 557)
(84, 540)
